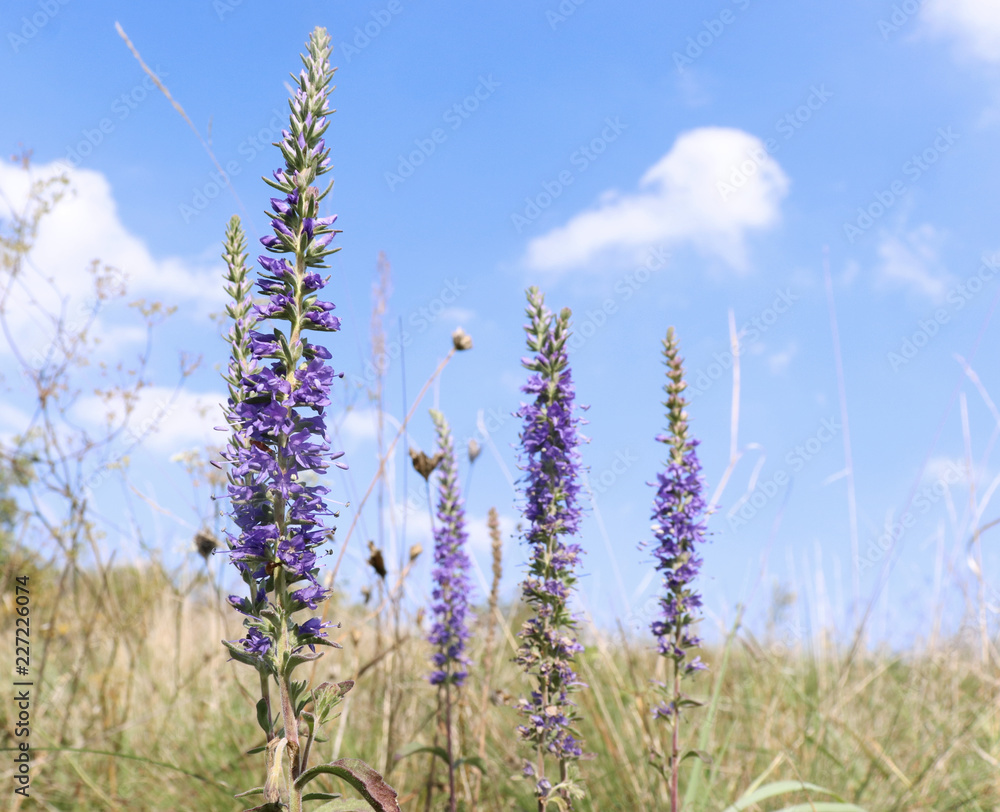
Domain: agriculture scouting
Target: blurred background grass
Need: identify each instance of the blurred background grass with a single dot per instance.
(137, 708)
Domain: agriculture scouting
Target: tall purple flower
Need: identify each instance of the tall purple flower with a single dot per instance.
(551, 463)
(678, 527)
(280, 382)
(279, 385)
(450, 629)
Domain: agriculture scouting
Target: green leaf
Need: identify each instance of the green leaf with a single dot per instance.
(379, 795)
(321, 796)
(783, 788)
(823, 806)
(249, 792)
(472, 761)
(414, 749)
(344, 805)
(269, 613)
(241, 656)
(699, 754)
(263, 715)
(293, 661)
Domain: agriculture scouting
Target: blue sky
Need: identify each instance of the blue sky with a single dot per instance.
(646, 166)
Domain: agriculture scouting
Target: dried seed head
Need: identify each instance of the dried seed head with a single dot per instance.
(423, 464)
(461, 340)
(415, 552)
(205, 543)
(375, 560)
(356, 633)
(474, 450)
(501, 697)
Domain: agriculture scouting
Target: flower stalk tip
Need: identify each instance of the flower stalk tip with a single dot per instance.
(551, 464)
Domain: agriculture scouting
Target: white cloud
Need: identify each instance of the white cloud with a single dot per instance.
(360, 426)
(974, 24)
(692, 89)
(457, 315)
(683, 198)
(83, 227)
(13, 421)
(163, 419)
(945, 470)
(911, 260)
(778, 362)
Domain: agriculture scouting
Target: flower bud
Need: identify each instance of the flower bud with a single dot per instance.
(461, 340)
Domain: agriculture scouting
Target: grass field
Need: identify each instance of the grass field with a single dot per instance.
(139, 709)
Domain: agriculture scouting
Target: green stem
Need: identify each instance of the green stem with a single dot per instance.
(288, 716)
(451, 757)
(433, 764)
(674, 761)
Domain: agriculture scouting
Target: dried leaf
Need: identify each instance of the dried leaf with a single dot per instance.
(379, 795)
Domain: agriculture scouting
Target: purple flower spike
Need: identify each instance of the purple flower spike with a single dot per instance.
(279, 388)
(679, 512)
(678, 527)
(551, 463)
(450, 609)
